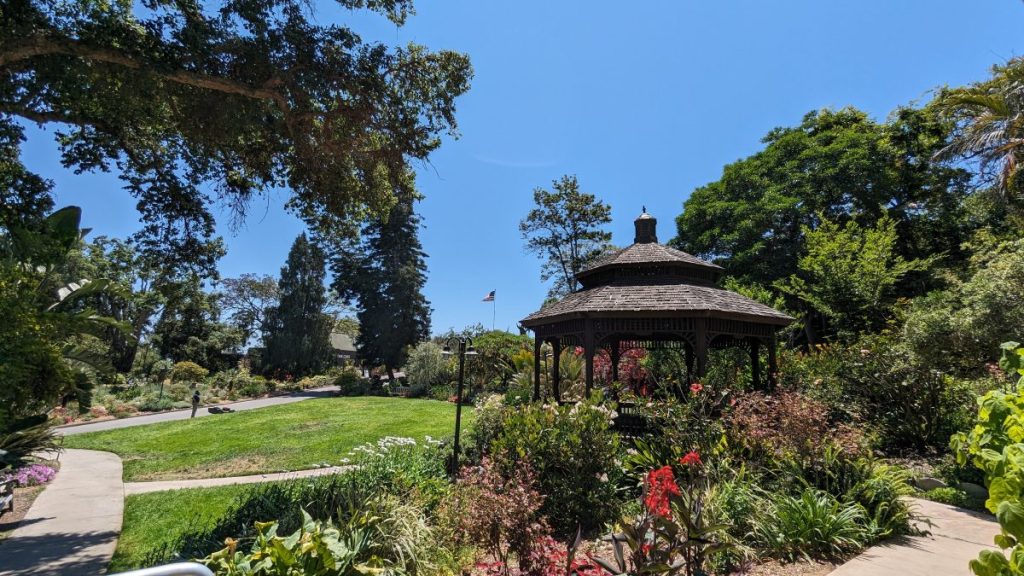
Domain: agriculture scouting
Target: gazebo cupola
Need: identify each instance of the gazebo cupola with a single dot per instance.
(649, 295)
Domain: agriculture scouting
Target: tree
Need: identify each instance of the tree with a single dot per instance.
(247, 299)
(197, 104)
(297, 334)
(189, 328)
(43, 316)
(989, 119)
(565, 231)
(849, 275)
(385, 274)
(837, 165)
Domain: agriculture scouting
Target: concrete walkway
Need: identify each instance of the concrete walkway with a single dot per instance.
(323, 392)
(72, 527)
(957, 536)
(158, 486)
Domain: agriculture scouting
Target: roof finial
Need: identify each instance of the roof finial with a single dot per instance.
(646, 226)
(643, 209)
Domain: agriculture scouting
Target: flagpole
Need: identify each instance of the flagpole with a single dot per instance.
(494, 309)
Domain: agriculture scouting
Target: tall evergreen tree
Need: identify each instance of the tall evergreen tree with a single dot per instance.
(297, 334)
(385, 274)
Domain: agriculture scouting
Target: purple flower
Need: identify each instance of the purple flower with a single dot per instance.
(32, 475)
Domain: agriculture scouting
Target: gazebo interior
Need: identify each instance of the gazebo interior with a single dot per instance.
(651, 296)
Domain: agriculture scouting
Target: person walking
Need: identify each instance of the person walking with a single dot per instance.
(195, 403)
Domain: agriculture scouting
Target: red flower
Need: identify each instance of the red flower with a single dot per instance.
(645, 549)
(661, 484)
(695, 388)
(691, 459)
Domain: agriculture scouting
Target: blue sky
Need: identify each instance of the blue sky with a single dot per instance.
(642, 101)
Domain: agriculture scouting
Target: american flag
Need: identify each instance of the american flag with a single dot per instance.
(489, 297)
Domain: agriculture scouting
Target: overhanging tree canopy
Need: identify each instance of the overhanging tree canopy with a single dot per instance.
(235, 97)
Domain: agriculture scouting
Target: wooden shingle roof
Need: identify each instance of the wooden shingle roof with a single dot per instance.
(656, 298)
(648, 279)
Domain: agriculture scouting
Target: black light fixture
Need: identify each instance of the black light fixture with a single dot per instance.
(465, 348)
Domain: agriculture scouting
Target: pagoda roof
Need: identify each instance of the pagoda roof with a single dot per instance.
(657, 298)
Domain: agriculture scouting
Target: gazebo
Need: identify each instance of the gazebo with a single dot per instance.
(651, 296)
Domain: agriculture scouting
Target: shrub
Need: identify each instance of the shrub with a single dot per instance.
(154, 404)
(787, 425)
(351, 383)
(811, 525)
(427, 366)
(22, 438)
(390, 536)
(489, 413)
(188, 372)
(254, 387)
(672, 534)
(401, 468)
(499, 512)
(573, 451)
(953, 497)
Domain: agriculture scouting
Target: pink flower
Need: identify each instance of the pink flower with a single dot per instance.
(696, 388)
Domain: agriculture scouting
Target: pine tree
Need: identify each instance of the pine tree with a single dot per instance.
(386, 274)
(297, 335)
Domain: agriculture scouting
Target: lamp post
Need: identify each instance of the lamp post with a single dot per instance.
(464, 348)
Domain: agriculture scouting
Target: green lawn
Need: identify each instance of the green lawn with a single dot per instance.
(154, 520)
(290, 437)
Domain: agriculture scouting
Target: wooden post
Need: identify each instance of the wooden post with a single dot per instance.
(536, 366)
(588, 351)
(689, 362)
(755, 365)
(614, 350)
(556, 376)
(701, 346)
(773, 366)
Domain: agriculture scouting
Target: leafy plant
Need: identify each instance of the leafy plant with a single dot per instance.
(22, 438)
(573, 451)
(188, 372)
(672, 534)
(812, 525)
(500, 513)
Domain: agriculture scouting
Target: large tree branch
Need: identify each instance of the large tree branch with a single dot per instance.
(43, 46)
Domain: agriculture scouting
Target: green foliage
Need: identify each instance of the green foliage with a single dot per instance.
(903, 402)
(573, 451)
(188, 372)
(22, 438)
(391, 492)
(297, 332)
(46, 318)
(849, 274)
(427, 367)
(954, 497)
(565, 231)
(385, 273)
(351, 383)
(960, 328)
(288, 102)
(813, 524)
(495, 363)
(996, 446)
(672, 534)
(987, 131)
(248, 299)
(189, 328)
(838, 165)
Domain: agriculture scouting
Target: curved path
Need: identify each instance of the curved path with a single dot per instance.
(131, 488)
(72, 527)
(957, 536)
(185, 414)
